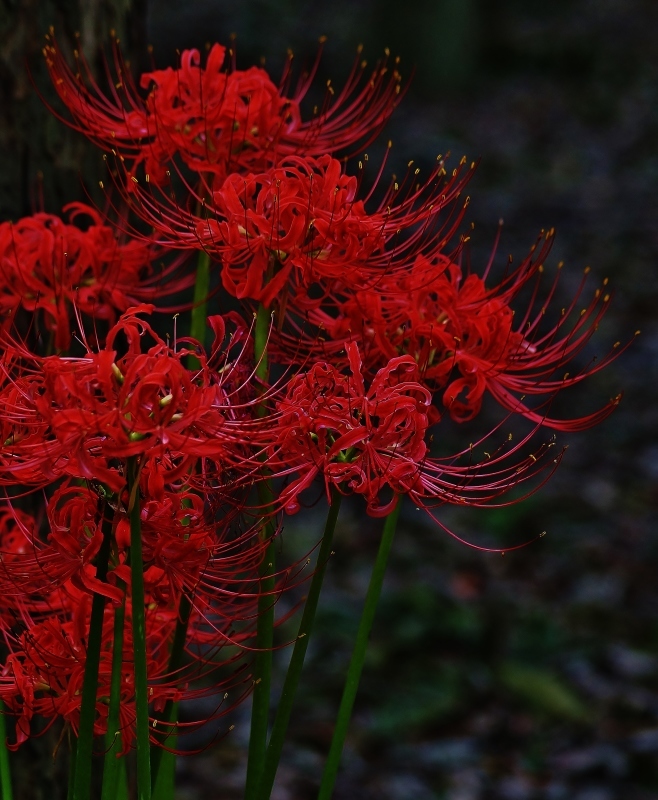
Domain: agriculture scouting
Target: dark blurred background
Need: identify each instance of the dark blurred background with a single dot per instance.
(528, 677)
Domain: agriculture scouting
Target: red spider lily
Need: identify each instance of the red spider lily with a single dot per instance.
(48, 587)
(465, 337)
(32, 567)
(368, 440)
(43, 674)
(217, 118)
(190, 546)
(84, 416)
(51, 266)
(186, 548)
(302, 223)
(18, 531)
(24, 434)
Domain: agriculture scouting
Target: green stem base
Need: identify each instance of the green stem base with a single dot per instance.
(358, 656)
(293, 675)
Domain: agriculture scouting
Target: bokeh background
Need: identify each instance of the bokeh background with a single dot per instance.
(528, 677)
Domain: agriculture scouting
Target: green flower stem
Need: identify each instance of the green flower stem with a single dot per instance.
(199, 322)
(260, 708)
(299, 652)
(139, 634)
(358, 656)
(263, 660)
(113, 762)
(261, 333)
(85, 744)
(164, 781)
(5, 773)
(163, 761)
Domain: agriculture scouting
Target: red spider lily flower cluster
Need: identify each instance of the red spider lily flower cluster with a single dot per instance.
(465, 337)
(300, 224)
(363, 439)
(44, 671)
(50, 267)
(71, 425)
(368, 440)
(217, 119)
(78, 416)
(380, 328)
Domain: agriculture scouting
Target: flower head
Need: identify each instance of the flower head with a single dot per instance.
(44, 671)
(52, 266)
(361, 440)
(84, 416)
(301, 228)
(467, 338)
(219, 119)
(373, 440)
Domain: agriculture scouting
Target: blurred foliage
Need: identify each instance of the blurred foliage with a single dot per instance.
(542, 691)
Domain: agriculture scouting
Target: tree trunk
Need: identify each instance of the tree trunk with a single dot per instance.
(43, 164)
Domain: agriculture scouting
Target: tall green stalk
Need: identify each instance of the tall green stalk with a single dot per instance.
(114, 765)
(199, 323)
(163, 761)
(260, 708)
(164, 779)
(5, 773)
(139, 634)
(293, 675)
(85, 744)
(358, 656)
